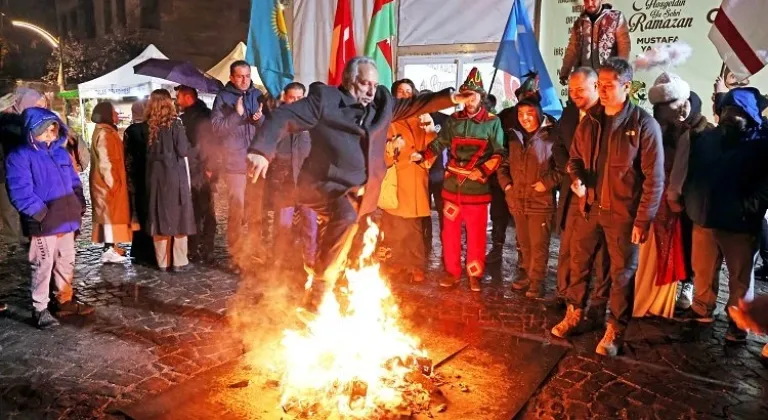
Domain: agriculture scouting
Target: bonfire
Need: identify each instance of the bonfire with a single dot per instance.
(354, 360)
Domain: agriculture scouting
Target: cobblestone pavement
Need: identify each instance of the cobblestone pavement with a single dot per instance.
(153, 330)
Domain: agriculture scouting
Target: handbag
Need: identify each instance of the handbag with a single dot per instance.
(388, 194)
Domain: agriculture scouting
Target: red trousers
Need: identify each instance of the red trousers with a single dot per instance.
(475, 216)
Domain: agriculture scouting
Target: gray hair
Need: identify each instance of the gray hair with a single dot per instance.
(352, 68)
(588, 72)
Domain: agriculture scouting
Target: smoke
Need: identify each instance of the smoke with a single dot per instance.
(665, 56)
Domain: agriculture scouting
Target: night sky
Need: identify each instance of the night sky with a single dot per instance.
(28, 53)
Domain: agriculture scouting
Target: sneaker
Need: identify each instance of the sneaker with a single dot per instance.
(685, 297)
(521, 283)
(535, 291)
(691, 315)
(494, 255)
(73, 307)
(611, 343)
(448, 280)
(111, 256)
(44, 319)
(735, 335)
(571, 321)
(417, 276)
(474, 283)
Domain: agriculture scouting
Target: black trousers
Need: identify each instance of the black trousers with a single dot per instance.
(600, 261)
(764, 242)
(500, 216)
(436, 192)
(603, 226)
(205, 221)
(401, 237)
(336, 230)
(533, 235)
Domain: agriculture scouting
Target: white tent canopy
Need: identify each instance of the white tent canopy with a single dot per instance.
(221, 70)
(124, 82)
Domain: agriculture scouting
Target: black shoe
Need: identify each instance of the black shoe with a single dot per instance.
(183, 268)
(735, 335)
(73, 307)
(761, 272)
(44, 319)
(691, 315)
(494, 255)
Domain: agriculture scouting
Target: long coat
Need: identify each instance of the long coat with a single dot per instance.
(348, 140)
(108, 180)
(412, 178)
(169, 197)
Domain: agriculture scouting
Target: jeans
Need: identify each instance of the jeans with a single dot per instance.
(244, 225)
(601, 263)
(602, 226)
(337, 215)
(283, 232)
(710, 247)
(52, 257)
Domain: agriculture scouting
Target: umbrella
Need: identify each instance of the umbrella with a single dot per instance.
(181, 72)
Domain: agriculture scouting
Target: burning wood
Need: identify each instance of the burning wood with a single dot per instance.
(353, 360)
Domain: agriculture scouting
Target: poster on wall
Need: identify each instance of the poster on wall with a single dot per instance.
(651, 23)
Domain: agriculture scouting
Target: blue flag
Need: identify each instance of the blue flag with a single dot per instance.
(268, 46)
(519, 54)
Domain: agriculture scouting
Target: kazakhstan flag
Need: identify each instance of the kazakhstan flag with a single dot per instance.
(268, 46)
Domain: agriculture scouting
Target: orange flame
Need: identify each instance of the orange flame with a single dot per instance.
(342, 348)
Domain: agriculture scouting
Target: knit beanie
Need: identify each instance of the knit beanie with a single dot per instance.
(668, 87)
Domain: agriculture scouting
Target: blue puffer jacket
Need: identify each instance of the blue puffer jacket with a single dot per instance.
(235, 132)
(42, 184)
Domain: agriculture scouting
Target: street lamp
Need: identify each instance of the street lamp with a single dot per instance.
(52, 40)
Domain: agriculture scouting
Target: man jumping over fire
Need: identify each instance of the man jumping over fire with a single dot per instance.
(475, 138)
(341, 178)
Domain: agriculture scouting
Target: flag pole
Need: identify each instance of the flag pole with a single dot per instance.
(493, 79)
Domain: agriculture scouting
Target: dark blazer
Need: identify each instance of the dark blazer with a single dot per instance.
(566, 128)
(348, 140)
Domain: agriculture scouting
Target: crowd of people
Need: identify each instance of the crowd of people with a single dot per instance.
(647, 206)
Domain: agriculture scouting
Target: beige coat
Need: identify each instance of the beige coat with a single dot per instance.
(412, 178)
(109, 187)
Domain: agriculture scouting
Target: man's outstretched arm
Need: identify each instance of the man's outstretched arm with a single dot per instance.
(294, 118)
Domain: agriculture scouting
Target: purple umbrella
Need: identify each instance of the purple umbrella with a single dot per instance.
(181, 72)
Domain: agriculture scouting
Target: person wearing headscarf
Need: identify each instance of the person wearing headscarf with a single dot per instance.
(109, 185)
(11, 136)
(402, 220)
(665, 258)
(135, 142)
(725, 193)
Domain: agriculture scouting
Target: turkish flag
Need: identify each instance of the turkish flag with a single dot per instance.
(342, 42)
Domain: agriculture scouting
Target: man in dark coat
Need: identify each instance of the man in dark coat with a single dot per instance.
(202, 166)
(582, 89)
(236, 117)
(726, 196)
(341, 178)
(292, 150)
(617, 170)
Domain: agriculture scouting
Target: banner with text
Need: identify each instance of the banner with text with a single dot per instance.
(651, 22)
